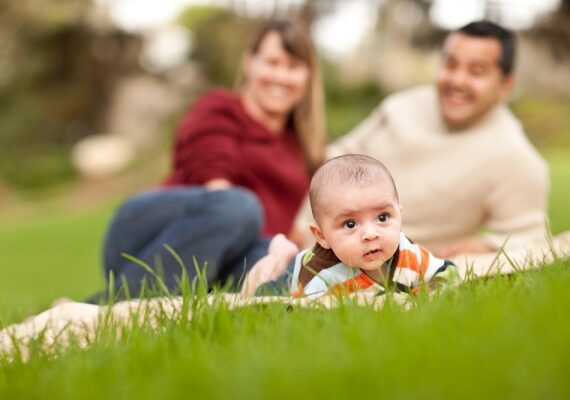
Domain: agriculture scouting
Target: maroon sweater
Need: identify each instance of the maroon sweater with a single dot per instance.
(218, 139)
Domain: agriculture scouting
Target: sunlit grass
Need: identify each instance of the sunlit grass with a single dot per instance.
(500, 338)
(50, 257)
(559, 208)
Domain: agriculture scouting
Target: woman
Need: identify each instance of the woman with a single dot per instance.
(241, 167)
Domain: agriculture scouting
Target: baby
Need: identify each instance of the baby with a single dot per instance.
(359, 243)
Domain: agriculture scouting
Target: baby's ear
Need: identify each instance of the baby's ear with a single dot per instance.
(318, 235)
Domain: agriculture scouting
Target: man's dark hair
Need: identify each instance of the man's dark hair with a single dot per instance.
(506, 38)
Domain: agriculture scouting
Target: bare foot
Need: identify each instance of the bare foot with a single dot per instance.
(270, 267)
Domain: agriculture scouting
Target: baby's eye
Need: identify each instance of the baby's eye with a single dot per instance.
(383, 217)
(350, 224)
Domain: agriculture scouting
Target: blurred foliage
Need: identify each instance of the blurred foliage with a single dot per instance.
(546, 120)
(555, 30)
(56, 75)
(219, 39)
(58, 70)
(347, 105)
(552, 29)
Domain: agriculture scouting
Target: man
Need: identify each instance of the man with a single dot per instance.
(469, 180)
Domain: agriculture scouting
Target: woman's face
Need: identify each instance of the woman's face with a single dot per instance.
(276, 81)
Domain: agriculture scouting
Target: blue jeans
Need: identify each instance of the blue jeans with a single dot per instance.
(220, 228)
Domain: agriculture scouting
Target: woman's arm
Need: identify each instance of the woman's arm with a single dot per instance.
(207, 149)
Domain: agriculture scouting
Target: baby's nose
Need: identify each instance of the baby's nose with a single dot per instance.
(370, 233)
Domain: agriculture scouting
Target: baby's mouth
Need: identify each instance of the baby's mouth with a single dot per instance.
(372, 254)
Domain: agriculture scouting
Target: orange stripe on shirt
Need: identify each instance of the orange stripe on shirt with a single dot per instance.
(408, 259)
(299, 292)
(360, 282)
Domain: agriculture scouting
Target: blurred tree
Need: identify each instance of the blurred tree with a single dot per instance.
(56, 73)
(220, 34)
(553, 27)
(408, 22)
(219, 37)
(555, 30)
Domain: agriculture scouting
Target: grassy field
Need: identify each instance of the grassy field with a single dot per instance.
(501, 338)
(559, 208)
(50, 257)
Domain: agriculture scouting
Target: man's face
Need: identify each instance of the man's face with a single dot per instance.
(470, 81)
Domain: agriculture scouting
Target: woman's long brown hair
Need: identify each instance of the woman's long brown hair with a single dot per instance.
(307, 116)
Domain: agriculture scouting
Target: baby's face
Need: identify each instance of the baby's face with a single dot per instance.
(361, 224)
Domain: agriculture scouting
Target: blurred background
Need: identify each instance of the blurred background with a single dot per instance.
(91, 91)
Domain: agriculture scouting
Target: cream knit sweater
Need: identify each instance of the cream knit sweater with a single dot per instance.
(454, 184)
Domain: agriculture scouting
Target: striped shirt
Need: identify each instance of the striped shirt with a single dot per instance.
(318, 271)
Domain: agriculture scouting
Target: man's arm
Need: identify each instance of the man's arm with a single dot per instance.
(517, 204)
(517, 201)
(468, 245)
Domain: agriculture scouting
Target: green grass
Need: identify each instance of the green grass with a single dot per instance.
(546, 119)
(559, 208)
(502, 338)
(499, 338)
(49, 257)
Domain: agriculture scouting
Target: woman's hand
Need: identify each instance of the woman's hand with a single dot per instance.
(218, 184)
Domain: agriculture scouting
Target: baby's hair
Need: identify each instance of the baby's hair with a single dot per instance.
(348, 169)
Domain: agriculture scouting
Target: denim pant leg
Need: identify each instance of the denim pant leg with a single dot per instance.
(213, 227)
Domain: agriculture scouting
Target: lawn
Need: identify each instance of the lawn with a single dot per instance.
(500, 338)
(50, 257)
(559, 209)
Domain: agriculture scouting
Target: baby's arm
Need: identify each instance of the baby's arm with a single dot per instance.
(445, 276)
(441, 274)
(272, 266)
